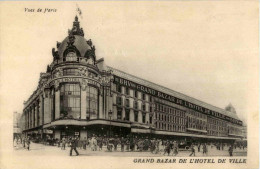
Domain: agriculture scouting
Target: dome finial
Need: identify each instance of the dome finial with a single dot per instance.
(76, 30)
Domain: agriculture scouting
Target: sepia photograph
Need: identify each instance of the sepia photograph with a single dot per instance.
(127, 84)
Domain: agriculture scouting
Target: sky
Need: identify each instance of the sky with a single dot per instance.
(206, 50)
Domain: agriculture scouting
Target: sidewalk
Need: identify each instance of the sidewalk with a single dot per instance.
(37, 149)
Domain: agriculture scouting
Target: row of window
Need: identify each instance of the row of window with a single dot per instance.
(119, 101)
(170, 118)
(196, 126)
(213, 133)
(70, 101)
(170, 127)
(31, 120)
(217, 122)
(197, 114)
(127, 92)
(196, 121)
(170, 110)
(234, 130)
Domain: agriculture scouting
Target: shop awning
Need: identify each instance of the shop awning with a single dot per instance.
(135, 130)
(193, 135)
(68, 122)
(191, 129)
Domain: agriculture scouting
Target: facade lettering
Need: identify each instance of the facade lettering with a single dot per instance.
(173, 99)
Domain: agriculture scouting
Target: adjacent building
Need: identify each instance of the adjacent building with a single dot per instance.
(79, 95)
(16, 125)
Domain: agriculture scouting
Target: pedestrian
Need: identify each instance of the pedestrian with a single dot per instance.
(127, 144)
(23, 140)
(100, 143)
(85, 143)
(131, 144)
(204, 149)
(192, 150)
(230, 150)
(74, 144)
(199, 147)
(175, 148)
(122, 144)
(167, 148)
(152, 146)
(63, 143)
(28, 143)
(116, 141)
(110, 143)
(157, 146)
(58, 142)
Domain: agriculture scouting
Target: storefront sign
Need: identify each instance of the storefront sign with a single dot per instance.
(173, 99)
(74, 79)
(47, 131)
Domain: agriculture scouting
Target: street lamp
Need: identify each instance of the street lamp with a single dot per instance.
(110, 116)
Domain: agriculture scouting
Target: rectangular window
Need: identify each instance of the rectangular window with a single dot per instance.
(135, 105)
(151, 98)
(143, 96)
(119, 100)
(151, 109)
(70, 100)
(136, 116)
(143, 107)
(52, 105)
(92, 102)
(151, 119)
(127, 91)
(127, 114)
(119, 113)
(118, 88)
(143, 117)
(127, 103)
(136, 94)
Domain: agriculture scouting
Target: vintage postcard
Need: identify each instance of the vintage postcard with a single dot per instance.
(128, 84)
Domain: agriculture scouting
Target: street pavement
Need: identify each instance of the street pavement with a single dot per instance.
(46, 150)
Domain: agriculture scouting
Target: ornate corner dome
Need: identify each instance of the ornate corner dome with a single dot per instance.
(75, 46)
(230, 108)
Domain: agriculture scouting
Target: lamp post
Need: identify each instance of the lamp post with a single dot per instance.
(110, 116)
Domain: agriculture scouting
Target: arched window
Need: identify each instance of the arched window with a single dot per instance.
(70, 100)
(71, 56)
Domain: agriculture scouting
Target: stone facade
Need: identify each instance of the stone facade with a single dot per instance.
(78, 95)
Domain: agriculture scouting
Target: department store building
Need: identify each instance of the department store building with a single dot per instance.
(79, 95)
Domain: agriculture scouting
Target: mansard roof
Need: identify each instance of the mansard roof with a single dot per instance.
(170, 92)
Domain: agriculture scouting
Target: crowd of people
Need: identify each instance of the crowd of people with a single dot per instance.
(154, 145)
(24, 141)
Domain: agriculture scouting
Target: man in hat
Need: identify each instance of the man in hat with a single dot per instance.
(74, 143)
(28, 141)
(230, 150)
(175, 148)
(192, 150)
(122, 144)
